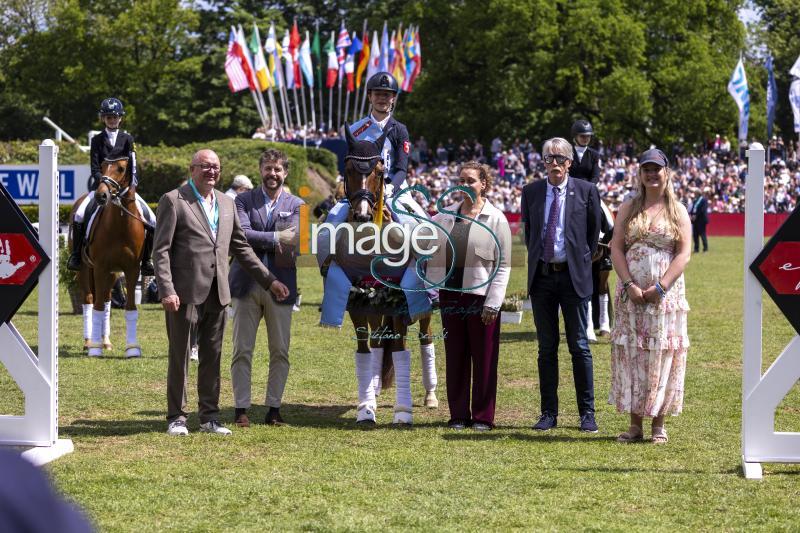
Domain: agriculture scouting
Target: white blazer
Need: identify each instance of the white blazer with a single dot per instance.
(486, 252)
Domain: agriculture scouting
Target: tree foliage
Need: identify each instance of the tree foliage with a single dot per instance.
(652, 70)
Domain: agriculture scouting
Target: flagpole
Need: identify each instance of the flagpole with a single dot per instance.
(346, 105)
(276, 120)
(303, 99)
(287, 103)
(339, 108)
(263, 106)
(258, 108)
(296, 107)
(313, 114)
(330, 108)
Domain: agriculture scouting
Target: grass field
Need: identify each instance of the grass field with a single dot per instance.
(321, 473)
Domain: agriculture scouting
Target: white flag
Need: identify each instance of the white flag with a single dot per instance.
(795, 70)
(374, 56)
(737, 88)
(794, 99)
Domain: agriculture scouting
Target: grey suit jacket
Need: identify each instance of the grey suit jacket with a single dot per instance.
(187, 257)
(582, 214)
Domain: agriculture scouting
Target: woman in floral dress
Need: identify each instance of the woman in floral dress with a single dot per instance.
(649, 341)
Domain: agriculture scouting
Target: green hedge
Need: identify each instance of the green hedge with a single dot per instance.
(162, 168)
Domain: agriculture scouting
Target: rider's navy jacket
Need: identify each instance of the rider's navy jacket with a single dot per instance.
(101, 149)
(588, 168)
(396, 148)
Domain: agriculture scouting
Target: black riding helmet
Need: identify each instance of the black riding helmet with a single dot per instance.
(383, 81)
(112, 106)
(581, 127)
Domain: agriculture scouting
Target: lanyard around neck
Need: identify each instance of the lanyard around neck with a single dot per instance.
(213, 218)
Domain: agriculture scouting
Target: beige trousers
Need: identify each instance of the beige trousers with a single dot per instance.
(247, 315)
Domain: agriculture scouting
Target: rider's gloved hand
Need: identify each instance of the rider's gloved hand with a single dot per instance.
(388, 189)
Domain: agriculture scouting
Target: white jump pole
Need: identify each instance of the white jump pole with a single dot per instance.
(761, 394)
(37, 377)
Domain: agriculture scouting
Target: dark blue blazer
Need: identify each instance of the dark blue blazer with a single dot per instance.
(101, 150)
(250, 206)
(589, 166)
(582, 214)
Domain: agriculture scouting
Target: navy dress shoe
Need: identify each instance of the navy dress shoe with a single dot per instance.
(588, 423)
(546, 422)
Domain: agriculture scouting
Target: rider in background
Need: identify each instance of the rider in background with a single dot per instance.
(111, 144)
(586, 166)
(585, 160)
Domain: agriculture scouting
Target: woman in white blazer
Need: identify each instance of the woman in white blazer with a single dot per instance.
(471, 267)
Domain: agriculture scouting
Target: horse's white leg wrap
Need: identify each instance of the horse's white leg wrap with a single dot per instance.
(428, 358)
(366, 389)
(590, 323)
(377, 368)
(605, 324)
(96, 345)
(402, 377)
(87, 321)
(106, 320)
(132, 348)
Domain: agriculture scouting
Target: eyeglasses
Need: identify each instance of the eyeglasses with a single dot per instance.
(560, 159)
(205, 167)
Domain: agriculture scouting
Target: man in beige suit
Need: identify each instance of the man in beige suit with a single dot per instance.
(197, 229)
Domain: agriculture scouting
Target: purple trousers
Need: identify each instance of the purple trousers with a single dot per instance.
(471, 352)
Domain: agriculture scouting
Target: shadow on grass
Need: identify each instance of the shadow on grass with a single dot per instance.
(500, 434)
(113, 428)
(518, 336)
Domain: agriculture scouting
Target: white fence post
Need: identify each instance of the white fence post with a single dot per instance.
(761, 394)
(37, 375)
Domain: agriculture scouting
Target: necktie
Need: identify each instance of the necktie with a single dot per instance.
(550, 233)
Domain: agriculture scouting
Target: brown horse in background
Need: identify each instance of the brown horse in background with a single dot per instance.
(114, 244)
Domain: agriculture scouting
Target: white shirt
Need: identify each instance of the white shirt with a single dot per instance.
(559, 251)
(381, 123)
(112, 136)
(580, 150)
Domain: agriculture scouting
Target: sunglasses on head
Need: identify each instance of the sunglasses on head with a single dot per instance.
(560, 159)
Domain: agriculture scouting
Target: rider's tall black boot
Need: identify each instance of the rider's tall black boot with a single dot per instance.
(147, 253)
(77, 243)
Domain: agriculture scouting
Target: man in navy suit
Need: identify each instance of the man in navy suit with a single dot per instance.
(269, 217)
(698, 212)
(561, 218)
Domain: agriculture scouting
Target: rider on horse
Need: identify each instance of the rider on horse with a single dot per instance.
(585, 159)
(586, 166)
(110, 144)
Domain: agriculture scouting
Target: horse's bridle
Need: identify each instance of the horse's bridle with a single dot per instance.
(363, 193)
(117, 192)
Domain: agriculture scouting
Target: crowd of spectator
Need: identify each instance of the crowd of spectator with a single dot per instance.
(712, 169)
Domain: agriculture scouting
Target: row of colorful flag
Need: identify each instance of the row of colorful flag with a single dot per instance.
(277, 67)
(738, 89)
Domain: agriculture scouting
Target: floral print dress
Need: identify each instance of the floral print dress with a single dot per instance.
(649, 342)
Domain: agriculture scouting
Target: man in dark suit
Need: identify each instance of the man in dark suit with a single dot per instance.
(561, 219)
(585, 160)
(269, 217)
(698, 212)
(197, 230)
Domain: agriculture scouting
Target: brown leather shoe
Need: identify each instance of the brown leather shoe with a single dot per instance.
(242, 421)
(273, 417)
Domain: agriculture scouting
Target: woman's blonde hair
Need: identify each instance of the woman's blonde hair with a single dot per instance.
(637, 224)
